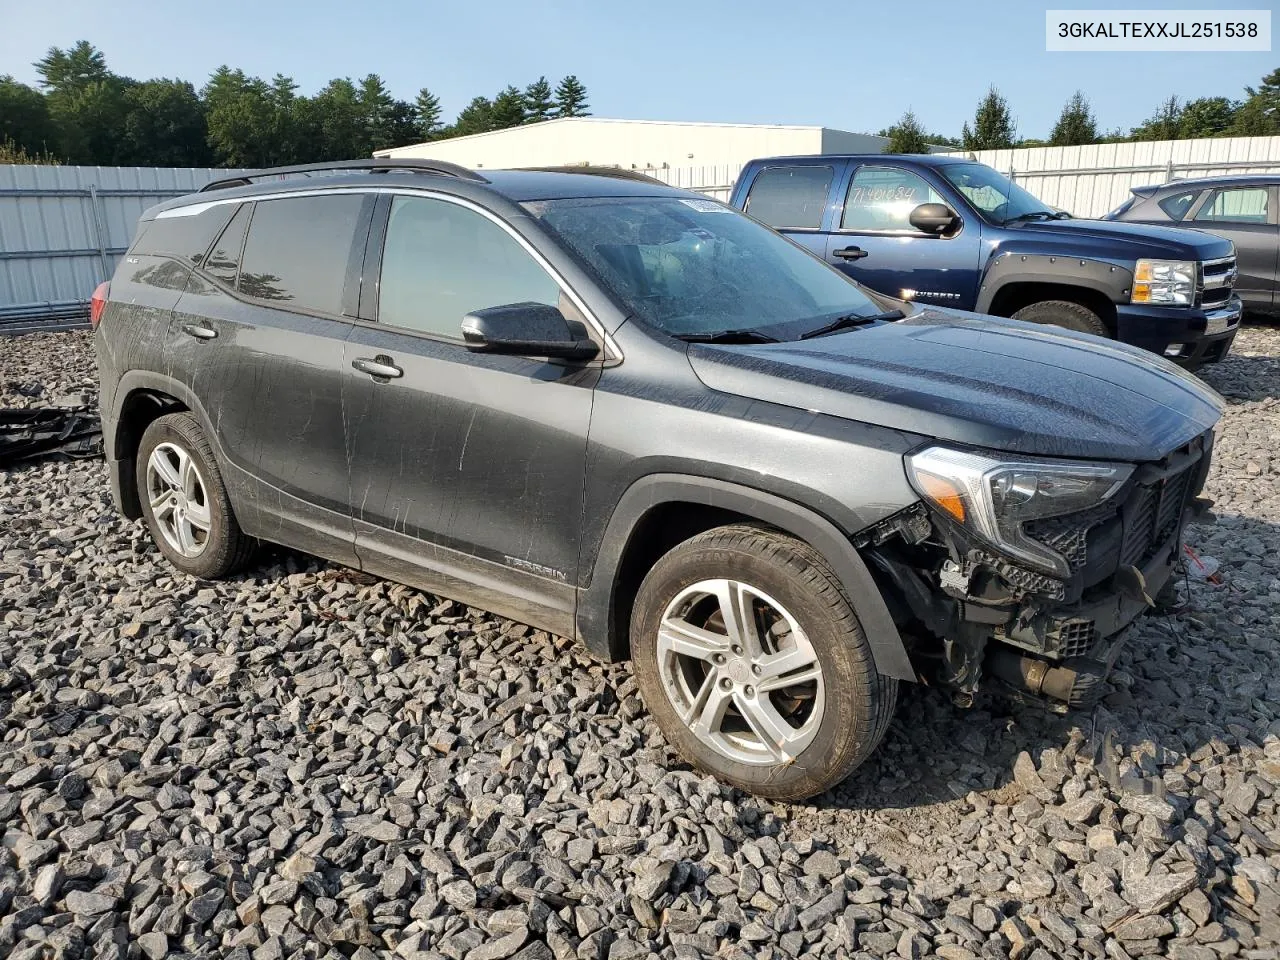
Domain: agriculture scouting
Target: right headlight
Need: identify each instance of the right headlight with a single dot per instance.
(1168, 282)
(995, 497)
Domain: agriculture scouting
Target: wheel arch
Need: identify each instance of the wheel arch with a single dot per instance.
(660, 510)
(1015, 280)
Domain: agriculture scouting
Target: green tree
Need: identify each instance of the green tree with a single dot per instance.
(24, 117)
(240, 113)
(1076, 124)
(77, 66)
(538, 103)
(429, 114)
(1206, 117)
(377, 104)
(571, 98)
(1164, 124)
(402, 124)
(906, 136)
(164, 126)
(508, 108)
(86, 103)
(343, 123)
(993, 125)
(11, 152)
(1259, 115)
(476, 117)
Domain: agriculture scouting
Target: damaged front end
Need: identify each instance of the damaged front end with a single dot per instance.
(1032, 596)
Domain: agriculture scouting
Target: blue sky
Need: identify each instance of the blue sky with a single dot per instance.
(851, 65)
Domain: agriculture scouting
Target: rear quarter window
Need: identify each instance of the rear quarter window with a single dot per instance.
(183, 236)
(1176, 205)
(793, 197)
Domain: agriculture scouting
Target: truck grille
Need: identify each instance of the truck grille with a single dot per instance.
(1217, 278)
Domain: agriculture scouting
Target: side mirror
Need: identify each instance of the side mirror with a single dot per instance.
(935, 218)
(529, 329)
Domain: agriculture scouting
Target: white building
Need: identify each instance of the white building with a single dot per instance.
(703, 155)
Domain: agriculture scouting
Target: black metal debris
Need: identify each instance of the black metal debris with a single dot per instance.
(26, 434)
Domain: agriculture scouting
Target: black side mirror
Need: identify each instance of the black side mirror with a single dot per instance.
(530, 329)
(935, 218)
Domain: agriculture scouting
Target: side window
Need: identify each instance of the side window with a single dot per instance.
(790, 196)
(183, 236)
(881, 199)
(298, 248)
(442, 261)
(1176, 205)
(1236, 205)
(224, 258)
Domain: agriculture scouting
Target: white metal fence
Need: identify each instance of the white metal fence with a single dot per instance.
(63, 229)
(713, 181)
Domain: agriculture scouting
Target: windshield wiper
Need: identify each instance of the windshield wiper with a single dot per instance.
(1031, 216)
(727, 336)
(851, 320)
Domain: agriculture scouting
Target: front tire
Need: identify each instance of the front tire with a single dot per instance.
(753, 663)
(1064, 313)
(184, 501)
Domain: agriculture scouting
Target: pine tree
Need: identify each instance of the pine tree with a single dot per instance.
(508, 108)
(1075, 125)
(993, 126)
(429, 113)
(1164, 124)
(906, 136)
(571, 98)
(476, 117)
(376, 103)
(538, 105)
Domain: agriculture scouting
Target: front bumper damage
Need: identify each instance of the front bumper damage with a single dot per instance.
(976, 619)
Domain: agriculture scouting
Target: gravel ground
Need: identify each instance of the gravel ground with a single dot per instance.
(299, 762)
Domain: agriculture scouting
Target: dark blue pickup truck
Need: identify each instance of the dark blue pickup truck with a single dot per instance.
(956, 233)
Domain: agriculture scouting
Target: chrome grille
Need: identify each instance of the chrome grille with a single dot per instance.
(1217, 278)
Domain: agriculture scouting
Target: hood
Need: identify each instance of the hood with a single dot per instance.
(1126, 241)
(976, 380)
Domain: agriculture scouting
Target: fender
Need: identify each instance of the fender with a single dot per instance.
(595, 603)
(1111, 280)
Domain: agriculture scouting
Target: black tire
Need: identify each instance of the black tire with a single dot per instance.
(859, 702)
(1064, 313)
(226, 547)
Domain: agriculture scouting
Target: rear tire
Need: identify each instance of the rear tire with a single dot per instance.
(803, 672)
(1064, 313)
(184, 500)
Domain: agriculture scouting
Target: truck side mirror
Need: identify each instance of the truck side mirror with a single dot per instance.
(934, 218)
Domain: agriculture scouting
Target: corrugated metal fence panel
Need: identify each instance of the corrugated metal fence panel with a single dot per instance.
(63, 229)
(713, 181)
(1090, 180)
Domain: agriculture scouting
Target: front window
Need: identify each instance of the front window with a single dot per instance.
(994, 195)
(880, 200)
(693, 267)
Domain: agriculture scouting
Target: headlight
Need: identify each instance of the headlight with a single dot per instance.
(1171, 282)
(994, 498)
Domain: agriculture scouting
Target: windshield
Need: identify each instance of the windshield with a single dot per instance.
(994, 195)
(693, 267)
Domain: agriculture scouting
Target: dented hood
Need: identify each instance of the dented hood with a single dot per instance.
(982, 381)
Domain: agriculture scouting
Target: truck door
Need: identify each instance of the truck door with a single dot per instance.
(873, 241)
(797, 198)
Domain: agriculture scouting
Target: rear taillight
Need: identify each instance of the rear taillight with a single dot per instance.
(98, 303)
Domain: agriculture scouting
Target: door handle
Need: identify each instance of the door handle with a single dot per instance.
(380, 367)
(849, 253)
(199, 332)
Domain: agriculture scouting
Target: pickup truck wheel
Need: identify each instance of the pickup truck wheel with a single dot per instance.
(1064, 313)
(185, 502)
(753, 663)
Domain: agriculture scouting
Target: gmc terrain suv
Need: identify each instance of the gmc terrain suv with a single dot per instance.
(951, 232)
(631, 415)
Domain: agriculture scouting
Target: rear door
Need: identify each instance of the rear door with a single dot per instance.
(259, 340)
(873, 241)
(467, 469)
(1246, 214)
(797, 199)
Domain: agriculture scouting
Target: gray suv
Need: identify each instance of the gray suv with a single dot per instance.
(630, 415)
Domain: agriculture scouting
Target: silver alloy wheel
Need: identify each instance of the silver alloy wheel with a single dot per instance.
(179, 500)
(740, 672)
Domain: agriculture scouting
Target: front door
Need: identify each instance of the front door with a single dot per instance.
(874, 242)
(467, 469)
(1245, 215)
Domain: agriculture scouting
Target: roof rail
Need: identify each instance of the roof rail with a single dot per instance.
(617, 172)
(437, 167)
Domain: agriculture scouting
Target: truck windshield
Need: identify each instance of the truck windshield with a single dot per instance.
(695, 268)
(996, 197)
